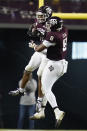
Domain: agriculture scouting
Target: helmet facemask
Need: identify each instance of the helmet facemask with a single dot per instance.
(48, 26)
(41, 17)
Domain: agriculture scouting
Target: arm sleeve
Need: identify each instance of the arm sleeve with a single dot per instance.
(47, 43)
(49, 40)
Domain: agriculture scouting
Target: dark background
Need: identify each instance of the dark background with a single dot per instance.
(70, 90)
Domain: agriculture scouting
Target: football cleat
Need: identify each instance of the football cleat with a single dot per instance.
(60, 118)
(16, 92)
(38, 115)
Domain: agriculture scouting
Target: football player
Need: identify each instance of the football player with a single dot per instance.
(56, 44)
(38, 30)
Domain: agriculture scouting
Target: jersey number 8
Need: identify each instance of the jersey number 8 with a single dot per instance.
(64, 44)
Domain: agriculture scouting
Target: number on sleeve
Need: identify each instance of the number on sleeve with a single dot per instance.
(64, 44)
(51, 38)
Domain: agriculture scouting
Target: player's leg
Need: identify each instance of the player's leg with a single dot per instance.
(39, 73)
(32, 65)
(59, 72)
(40, 96)
(40, 105)
(51, 73)
(48, 79)
(34, 62)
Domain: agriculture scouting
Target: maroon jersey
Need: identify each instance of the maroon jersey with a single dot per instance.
(58, 49)
(40, 28)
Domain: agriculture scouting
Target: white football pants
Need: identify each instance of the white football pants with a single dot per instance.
(35, 61)
(52, 72)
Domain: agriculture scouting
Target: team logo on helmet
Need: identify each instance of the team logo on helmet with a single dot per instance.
(54, 23)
